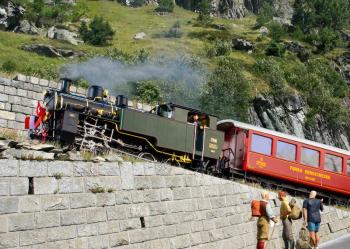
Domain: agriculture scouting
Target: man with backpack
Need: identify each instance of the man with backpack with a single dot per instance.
(263, 225)
(312, 216)
(285, 211)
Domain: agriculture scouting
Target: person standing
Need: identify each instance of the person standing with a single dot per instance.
(263, 223)
(312, 217)
(285, 210)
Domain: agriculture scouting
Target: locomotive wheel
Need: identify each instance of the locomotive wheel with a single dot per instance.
(147, 156)
(173, 162)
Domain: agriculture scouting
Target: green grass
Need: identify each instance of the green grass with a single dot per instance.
(127, 22)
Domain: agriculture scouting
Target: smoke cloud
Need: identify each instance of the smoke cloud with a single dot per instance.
(112, 74)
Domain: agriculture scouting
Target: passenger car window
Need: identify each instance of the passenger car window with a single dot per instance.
(286, 150)
(310, 157)
(349, 167)
(261, 144)
(333, 163)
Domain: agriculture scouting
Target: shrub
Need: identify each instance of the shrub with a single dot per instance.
(165, 6)
(265, 14)
(137, 3)
(148, 92)
(99, 31)
(9, 66)
(204, 8)
(275, 49)
(227, 91)
(174, 31)
(219, 48)
(276, 31)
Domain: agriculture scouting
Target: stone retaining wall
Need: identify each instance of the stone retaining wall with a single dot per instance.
(50, 204)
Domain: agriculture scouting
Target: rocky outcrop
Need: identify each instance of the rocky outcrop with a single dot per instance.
(10, 15)
(50, 51)
(241, 44)
(27, 28)
(289, 116)
(343, 66)
(63, 35)
(229, 8)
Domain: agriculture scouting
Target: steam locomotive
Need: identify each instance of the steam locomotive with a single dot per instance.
(94, 123)
(184, 136)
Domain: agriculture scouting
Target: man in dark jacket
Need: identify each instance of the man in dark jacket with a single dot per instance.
(312, 216)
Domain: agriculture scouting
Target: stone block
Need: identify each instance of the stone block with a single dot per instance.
(10, 90)
(138, 210)
(61, 168)
(8, 205)
(70, 185)
(157, 208)
(21, 109)
(20, 117)
(43, 82)
(4, 97)
(14, 100)
(20, 222)
(61, 233)
(3, 224)
(5, 106)
(167, 232)
(116, 212)
(119, 239)
(8, 167)
(105, 199)
(96, 215)
(195, 238)
(45, 185)
(137, 196)
(73, 217)
(142, 182)
(151, 195)
(54, 202)
(19, 186)
(4, 123)
(21, 77)
(182, 241)
(84, 169)
(86, 230)
(98, 242)
(4, 186)
(82, 200)
(7, 115)
(113, 226)
(196, 226)
(137, 236)
(218, 202)
(29, 204)
(174, 181)
(123, 197)
(108, 169)
(22, 92)
(183, 228)
(129, 224)
(138, 169)
(53, 84)
(154, 221)
(157, 181)
(182, 193)
(9, 240)
(33, 80)
(127, 176)
(166, 194)
(47, 219)
(32, 168)
(32, 237)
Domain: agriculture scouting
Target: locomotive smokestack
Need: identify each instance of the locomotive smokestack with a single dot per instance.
(66, 83)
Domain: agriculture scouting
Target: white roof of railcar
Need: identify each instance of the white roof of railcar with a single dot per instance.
(283, 135)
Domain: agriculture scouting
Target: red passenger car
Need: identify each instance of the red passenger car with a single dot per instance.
(284, 157)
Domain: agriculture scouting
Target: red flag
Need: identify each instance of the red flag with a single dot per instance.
(40, 112)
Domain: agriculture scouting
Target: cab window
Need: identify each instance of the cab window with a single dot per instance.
(165, 111)
(202, 119)
(333, 163)
(310, 157)
(261, 144)
(348, 167)
(286, 150)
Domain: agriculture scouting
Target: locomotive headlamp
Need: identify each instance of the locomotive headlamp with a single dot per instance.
(105, 93)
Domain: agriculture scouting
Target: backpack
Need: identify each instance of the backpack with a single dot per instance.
(257, 208)
(296, 213)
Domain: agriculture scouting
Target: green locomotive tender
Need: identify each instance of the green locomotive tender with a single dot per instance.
(169, 132)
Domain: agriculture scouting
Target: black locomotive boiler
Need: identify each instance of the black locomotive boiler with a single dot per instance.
(168, 132)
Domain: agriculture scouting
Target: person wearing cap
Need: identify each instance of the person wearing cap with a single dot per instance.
(285, 210)
(312, 217)
(263, 223)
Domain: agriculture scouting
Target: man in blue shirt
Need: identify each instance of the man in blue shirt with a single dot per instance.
(312, 216)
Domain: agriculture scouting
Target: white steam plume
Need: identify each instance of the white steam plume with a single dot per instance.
(110, 73)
